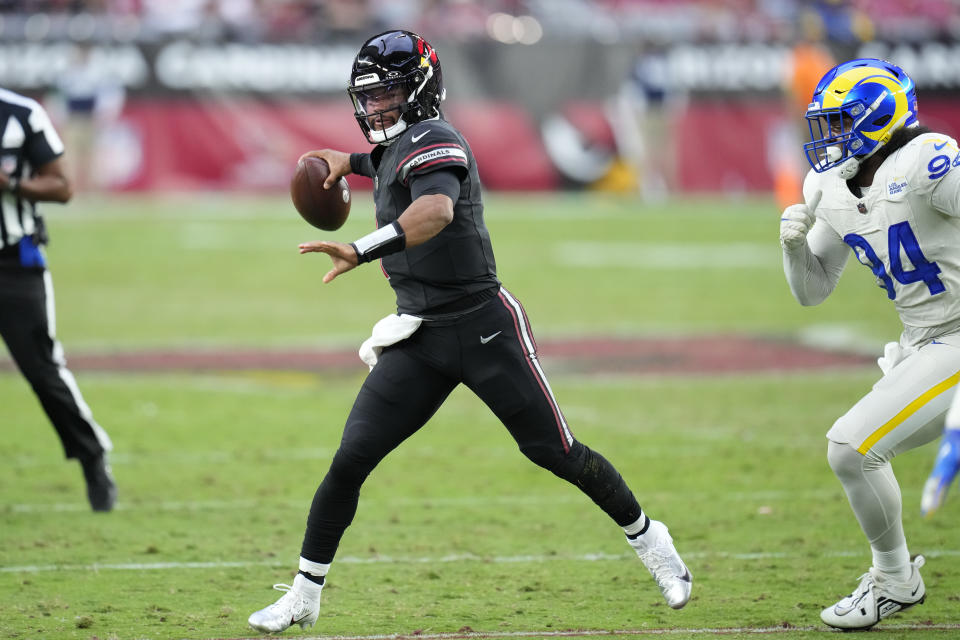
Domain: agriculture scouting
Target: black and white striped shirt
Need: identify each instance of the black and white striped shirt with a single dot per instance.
(27, 141)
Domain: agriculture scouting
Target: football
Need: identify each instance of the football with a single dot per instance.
(325, 209)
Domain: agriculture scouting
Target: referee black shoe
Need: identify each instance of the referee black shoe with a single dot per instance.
(101, 489)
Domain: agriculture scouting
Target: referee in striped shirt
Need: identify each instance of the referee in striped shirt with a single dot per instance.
(31, 171)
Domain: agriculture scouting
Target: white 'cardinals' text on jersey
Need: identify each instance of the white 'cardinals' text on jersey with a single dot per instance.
(905, 228)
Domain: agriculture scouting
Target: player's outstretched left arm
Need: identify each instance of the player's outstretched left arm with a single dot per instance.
(424, 218)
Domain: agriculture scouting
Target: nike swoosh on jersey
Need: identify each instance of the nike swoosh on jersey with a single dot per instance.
(485, 340)
(939, 146)
(415, 138)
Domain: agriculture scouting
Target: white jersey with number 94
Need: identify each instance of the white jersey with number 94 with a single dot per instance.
(905, 228)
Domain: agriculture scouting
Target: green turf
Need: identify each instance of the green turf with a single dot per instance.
(131, 272)
(455, 530)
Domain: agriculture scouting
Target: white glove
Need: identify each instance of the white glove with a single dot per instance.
(796, 222)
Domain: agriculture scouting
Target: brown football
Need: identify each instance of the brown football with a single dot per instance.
(325, 209)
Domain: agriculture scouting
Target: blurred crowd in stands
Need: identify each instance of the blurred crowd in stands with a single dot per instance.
(847, 21)
(633, 69)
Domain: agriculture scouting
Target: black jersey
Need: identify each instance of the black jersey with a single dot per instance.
(456, 264)
(27, 141)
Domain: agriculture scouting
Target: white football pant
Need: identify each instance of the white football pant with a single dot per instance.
(904, 410)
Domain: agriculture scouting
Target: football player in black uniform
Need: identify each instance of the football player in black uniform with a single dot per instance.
(455, 324)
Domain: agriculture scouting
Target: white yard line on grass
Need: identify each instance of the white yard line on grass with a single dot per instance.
(446, 559)
(435, 501)
(667, 256)
(592, 633)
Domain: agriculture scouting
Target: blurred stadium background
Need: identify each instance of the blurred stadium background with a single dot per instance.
(653, 96)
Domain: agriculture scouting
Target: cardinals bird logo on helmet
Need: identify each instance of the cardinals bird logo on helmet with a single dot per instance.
(396, 81)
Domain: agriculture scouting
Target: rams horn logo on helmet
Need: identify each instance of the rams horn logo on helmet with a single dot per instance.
(856, 107)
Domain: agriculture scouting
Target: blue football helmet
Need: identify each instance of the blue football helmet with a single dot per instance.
(856, 107)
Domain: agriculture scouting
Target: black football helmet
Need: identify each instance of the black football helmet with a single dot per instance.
(401, 64)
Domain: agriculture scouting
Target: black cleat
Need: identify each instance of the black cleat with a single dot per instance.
(101, 489)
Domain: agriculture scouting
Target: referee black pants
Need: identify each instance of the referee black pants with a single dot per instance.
(491, 351)
(28, 325)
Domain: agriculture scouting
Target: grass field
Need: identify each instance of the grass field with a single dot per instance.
(457, 535)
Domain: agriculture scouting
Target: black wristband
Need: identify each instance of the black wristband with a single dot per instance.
(356, 160)
(382, 242)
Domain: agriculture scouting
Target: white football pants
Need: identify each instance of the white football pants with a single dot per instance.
(952, 420)
(904, 410)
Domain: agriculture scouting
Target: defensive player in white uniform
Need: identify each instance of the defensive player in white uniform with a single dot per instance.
(888, 189)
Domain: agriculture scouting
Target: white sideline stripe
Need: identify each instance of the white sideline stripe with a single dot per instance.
(226, 505)
(667, 257)
(480, 635)
(447, 559)
(185, 457)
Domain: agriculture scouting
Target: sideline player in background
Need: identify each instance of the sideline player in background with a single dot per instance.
(456, 324)
(808, 60)
(945, 465)
(31, 171)
(888, 189)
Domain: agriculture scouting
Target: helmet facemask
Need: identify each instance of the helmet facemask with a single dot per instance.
(832, 138)
(396, 82)
(856, 108)
(379, 108)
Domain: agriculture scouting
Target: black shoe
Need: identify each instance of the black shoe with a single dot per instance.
(101, 489)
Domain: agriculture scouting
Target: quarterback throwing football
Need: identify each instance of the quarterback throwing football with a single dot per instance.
(888, 189)
(456, 323)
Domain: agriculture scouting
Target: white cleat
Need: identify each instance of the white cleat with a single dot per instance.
(656, 551)
(875, 598)
(299, 605)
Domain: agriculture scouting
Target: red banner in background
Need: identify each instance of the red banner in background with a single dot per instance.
(727, 146)
(189, 145)
(177, 145)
